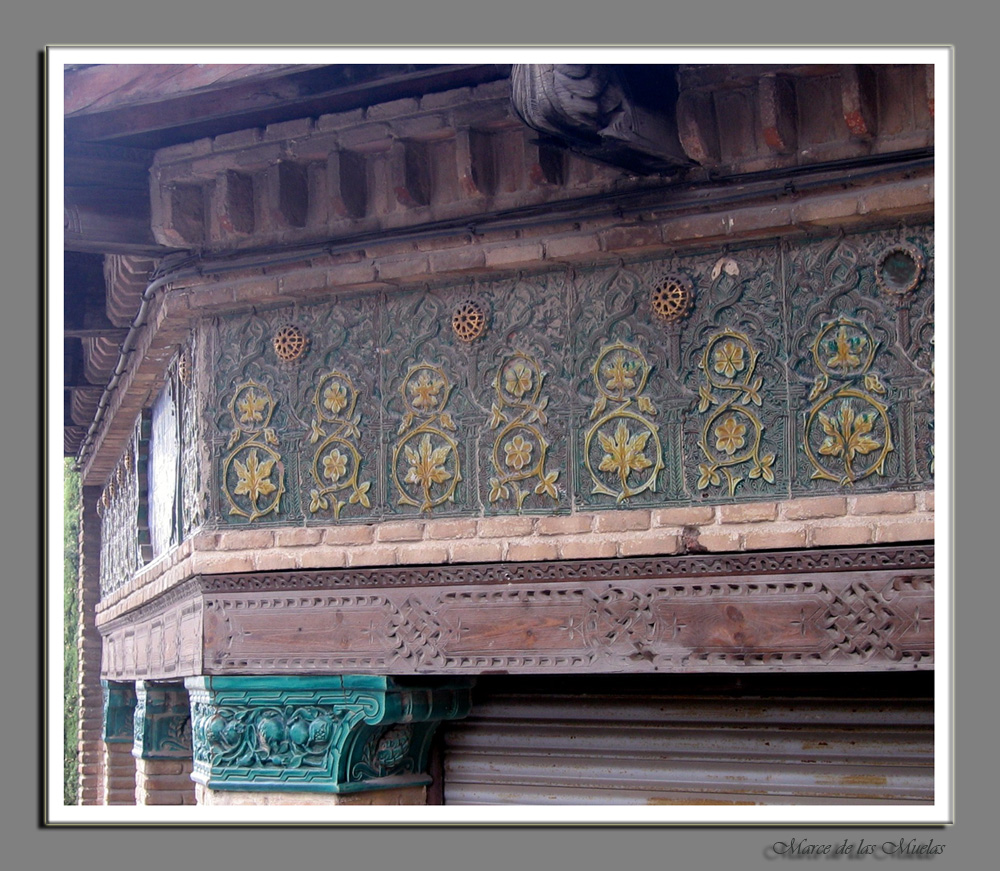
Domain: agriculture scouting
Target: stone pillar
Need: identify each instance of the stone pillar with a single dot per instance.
(119, 766)
(355, 739)
(90, 748)
(162, 745)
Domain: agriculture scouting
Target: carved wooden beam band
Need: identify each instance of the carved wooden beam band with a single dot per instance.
(864, 608)
(318, 734)
(162, 722)
(118, 712)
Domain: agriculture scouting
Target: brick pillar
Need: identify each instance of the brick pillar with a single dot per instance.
(90, 760)
(119, 765)
(355, 739)
(162, 745)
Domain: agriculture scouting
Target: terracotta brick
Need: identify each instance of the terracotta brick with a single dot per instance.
(772, 537)
(823, 209)
(372, 556)
(289, 129)
(840, 535)
(505, 527)
(899, 196)
(571, 246)
(450, 529)
(239, 561)
(274, 560)
(299, 537)
(719, 540)
(748, 512)
(402, 531)
(905, 530)
(693, 227)
(693, 515)
(621, 521)
(456, 259)
(240, 539)
(349, 535)
(508, 254)
(627, 238)
(649, 543)
(927, 500)
(588, 548)
(883, 503)
(296, 282)
(531, 550)
(350, 273)
(476, 552)
(322, 558)
(422, 553)
(822, 506)
(392, 109)
(566, 524)
(401, 267)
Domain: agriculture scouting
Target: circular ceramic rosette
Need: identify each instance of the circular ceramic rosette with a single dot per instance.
(900, 269)
(848, 436)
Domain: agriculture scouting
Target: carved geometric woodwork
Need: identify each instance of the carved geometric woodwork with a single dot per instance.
(582, 395)
(318, 734)
(869, 609)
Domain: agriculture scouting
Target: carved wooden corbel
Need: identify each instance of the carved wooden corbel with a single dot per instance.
(590, 109)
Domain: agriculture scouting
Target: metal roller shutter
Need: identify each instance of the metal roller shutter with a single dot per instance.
(769, 740)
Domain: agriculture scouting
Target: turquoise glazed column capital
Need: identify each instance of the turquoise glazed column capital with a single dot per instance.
(318, 734)
(162, 721)
(118, 712)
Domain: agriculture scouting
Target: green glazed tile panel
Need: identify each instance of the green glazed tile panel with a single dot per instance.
(760, 372)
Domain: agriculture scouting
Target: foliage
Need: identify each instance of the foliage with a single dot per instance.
(71, 565)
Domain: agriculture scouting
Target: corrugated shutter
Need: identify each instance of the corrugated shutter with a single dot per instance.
(769, 743)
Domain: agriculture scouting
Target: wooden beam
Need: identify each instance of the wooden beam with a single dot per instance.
(189, 115)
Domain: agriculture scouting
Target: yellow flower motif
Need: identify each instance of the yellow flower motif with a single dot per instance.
(843, 349)
(518, 380)
(729, 435)
(620, 373)
(254, 478)
(729, 359)
(708, 475)
(334, 465)
(251, 407)
(765, 470)
(624, 454)
(425, 391)
(426, 464)
(847, 434)
(335, 397)
(518, 452)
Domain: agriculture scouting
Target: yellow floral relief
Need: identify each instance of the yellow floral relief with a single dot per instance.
(518, 380)
(520, 449)
(426, 467)
(732, 434)
(847, 434)
(335, 400)
(251, 407)
(425, 391)
(844, 348)
(254, 479)
(518, 452)
(624, 453)
(729, 435)
(620, 373)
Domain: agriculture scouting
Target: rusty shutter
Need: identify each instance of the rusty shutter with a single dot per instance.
(811, 739)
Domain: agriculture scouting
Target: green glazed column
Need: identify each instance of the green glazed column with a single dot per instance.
(333, 735)
(162, 746)
(117, 733)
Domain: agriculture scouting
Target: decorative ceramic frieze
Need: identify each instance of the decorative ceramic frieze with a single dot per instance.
(119, 701)
(318, 734)
(162, 721)
(698, 378)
